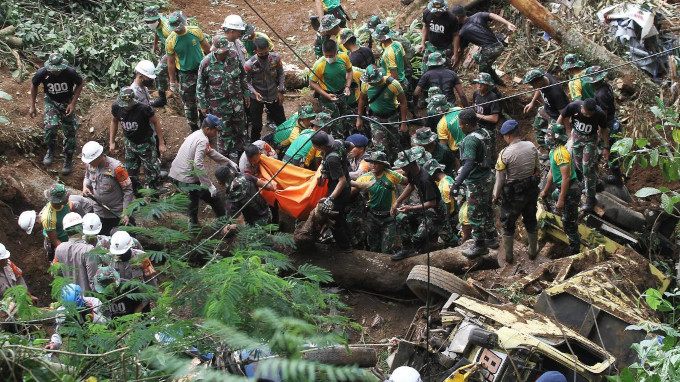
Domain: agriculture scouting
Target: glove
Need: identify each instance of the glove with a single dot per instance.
(213, 190)
(326, 206)
(51, 346)
(174, 86)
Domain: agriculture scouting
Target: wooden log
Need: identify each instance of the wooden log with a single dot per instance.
(8, 30)
(376, 272)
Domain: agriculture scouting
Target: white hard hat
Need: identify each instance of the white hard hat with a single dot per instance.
(4, 253)
(121, 242)
(92, 224)
(234, 22)
(71, 219)
(405, 374)
(91, 151)
(27, 221)
(146, 68)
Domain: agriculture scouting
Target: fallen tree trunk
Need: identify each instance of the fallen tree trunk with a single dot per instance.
(376, 272)
(574, 41)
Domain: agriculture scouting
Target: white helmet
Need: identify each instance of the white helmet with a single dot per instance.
(4, 253)
(91, 151)
(71, 219)
(27, 221)
(234, 22)
(121, 242)
(92, 224)
(146, 68)
(405, 374)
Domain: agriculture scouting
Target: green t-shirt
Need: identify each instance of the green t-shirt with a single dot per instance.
(163, 30)
(393, 58)
(330, 4)
(472, 148)
(387, 103)
(52, 219)
(250, 44)
(283, 131)
(381, 194)
(448, 129)
(333, 75)
(559, 157)
(186, 48)
(301, 141)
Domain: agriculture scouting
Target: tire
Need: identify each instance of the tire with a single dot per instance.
(338, 356)
(442, 284)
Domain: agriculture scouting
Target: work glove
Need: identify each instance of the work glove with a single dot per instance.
(51, 346)
(213, 190)
(174, 87)
(326, 206)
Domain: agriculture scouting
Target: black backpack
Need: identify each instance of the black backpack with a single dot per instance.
(483, 135)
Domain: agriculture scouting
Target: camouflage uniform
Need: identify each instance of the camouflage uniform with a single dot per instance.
(570, 215)
(541, 125)
(54, 113)
(162, 80)
(429, 49)
(221, 89)
(143, 154)
(187, 91)
(584, 152)
(480, 212)
(487, 55)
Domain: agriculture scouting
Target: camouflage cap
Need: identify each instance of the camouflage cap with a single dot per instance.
(382, 32)
(151, 13)
(533, 75)
(238, 188)
(126, 97)
(176, 19)
(435, 59)
(484, 78)
(372, 75)
(438, 6)
(57, 193)
(378, 157)
(559, 133)
(438, 104)
(322, 119)
(220, 44)
(432, 166)
(594, 74)
(404, 158)
(432, 91)
(571, 61)
(373, 22)
(105, 276)
(423, 136)
(56, 62)
(345, 35)
(420, 155)
(306, 111)
(328, 22)
(248, 33)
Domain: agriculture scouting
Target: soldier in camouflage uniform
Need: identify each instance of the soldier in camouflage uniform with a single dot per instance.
(427, 139)
(221, 91)
(479, 180)
(554, 100)
(562, 173)
(62, 86)
(159, 24)
(446, 221)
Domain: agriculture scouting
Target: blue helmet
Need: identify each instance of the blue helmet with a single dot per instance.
(72, 293)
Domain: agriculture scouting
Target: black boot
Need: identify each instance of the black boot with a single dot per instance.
(160, 101)
(476, 250)
(406, 251)
(49, 156)
(496, 78)
(68, 164)
(589, 205)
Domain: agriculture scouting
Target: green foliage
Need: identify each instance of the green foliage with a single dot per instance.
(104, 39)
(659, 356)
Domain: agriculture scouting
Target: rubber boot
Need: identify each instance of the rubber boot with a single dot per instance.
(492, 243)
(508, 250)
(496, 78)
(406, 251)
(68, 164)
(478, 249)
(160, 101)
(49, 156)
(533, 245)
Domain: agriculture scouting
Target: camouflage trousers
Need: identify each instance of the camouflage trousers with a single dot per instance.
(55, 113)
(356, 221)
(143, 154)
(429, 49)
(480, 211)
(420, 226)
(487, 55)
(381, 232)
(385, 137)
(162, 80)
(341, 127)
(231, 140)
(187, 91)
(585, 154)
(542, 123)
(569, 215)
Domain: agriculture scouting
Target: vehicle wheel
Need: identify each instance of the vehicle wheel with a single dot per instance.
(338, 356)
(442, 284)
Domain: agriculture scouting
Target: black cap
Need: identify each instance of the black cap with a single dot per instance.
(458, 10)
(322, 138)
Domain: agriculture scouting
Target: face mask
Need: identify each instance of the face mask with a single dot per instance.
(152, 25)
(263, 56)
(331, 60)
(147, 83)
(125, 256)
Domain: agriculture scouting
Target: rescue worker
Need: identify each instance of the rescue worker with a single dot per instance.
(52, 217)
(475, 29)
(331, 7)
(144, 77)
(240, 191)
(479, 180)
(158, 23)
(249, 163)
(186, 46)
(74, 306)
(427, 139)
(288, 131)
(380, 184)
(440, 32)
(373, 22)
(335, 172)
(264, 72)
(416, 223)
(357, 156)
(383, 96)
(567, 194)
(224, 95)
(446, 79)
(107, 181)
(578, 90)
(301, 152)
(188, 169)
(393, 56)
(62, 85)
(444, 184)
(359, 56)
(330, 29)
(554, 100)
(448, 128)
(74, 256)
(108, 282)
(233, 28)
(129, 262)
(11, 275)
(517, 180)
(487, 107)
(586, 124)
(138, 122)
(331, 79)
(249, 36)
